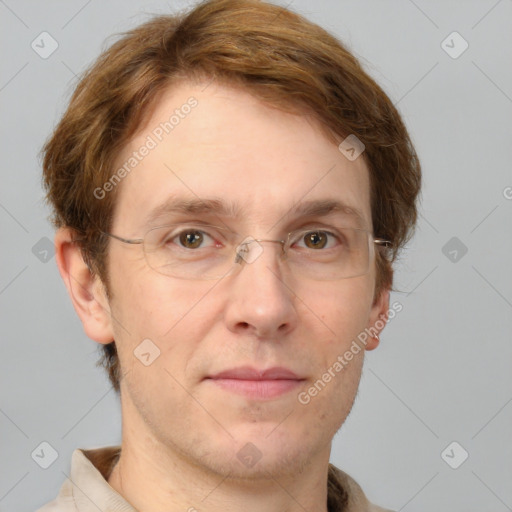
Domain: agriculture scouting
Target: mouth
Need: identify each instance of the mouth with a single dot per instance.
(257, 384)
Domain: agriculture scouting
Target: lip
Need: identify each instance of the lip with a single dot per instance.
(257, 384)
(250, 373)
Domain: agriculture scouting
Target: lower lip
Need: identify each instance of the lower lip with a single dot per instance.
(258, 389)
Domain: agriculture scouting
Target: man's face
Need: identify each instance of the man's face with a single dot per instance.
(233, 148)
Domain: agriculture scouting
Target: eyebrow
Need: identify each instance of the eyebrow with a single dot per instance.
(229, 209)
(324, 207)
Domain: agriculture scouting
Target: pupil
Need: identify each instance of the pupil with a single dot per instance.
(316, 239)
(191, 239)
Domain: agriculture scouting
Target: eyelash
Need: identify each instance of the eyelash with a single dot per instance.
(304, 231)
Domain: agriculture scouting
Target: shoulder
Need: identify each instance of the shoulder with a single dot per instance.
(88, 476)
(346, 495)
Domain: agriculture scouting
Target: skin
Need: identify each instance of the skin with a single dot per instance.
(181, 433)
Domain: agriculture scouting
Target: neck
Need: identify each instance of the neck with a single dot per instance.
(153, 477)
(148, 490)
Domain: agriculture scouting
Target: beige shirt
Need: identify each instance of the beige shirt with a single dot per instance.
(87, 489)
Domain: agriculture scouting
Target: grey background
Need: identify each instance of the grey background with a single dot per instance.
(443, 370)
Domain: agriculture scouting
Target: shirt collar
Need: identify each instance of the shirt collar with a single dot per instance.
(87, 488)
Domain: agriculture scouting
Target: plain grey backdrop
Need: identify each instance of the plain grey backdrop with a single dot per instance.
(439, 387)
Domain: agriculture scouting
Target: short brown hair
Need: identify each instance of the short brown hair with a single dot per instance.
(275, 54)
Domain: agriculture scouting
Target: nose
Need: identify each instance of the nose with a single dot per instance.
(260, 303)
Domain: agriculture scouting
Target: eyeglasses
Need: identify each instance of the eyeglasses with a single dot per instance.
(200, 251)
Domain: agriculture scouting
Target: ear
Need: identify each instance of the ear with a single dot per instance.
(378, 318)
(85, 289)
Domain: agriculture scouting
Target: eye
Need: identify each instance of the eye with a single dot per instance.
(192, 238)
(317, 239)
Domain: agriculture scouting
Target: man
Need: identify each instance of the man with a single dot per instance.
(231, 190)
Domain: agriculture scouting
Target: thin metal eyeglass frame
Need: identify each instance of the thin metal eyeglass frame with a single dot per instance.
(239, 258)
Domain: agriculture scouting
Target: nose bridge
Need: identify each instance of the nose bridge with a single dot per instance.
(259, 300)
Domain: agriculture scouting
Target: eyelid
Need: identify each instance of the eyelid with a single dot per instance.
(191, 223)
(315, 227)
(294, 237)
(201, 225)
(212, 233)
(326, 223)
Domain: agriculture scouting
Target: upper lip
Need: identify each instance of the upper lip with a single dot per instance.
(250, 373)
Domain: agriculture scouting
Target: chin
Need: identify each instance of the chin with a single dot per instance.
(256, 455)
(269, 466)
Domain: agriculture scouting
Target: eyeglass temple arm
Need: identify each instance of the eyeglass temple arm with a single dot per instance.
(125, 240)
(381, 241)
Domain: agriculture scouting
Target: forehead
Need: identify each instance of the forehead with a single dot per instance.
(221, 142)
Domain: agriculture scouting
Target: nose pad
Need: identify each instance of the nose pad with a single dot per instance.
(250, 249)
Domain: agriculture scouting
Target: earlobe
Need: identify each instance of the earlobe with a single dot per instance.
(378, 318)
(85, 289)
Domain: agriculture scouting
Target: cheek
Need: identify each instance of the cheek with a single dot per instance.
(328, 399)
(343, 307)
(147, 305)
(339, 355)
(143, 298)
